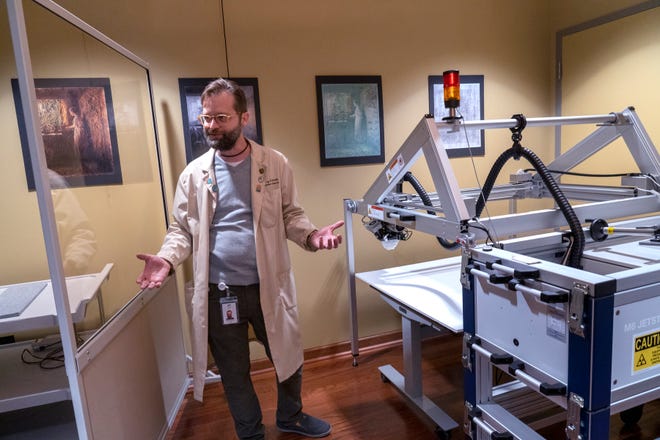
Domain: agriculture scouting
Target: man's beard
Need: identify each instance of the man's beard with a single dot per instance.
(226, 142)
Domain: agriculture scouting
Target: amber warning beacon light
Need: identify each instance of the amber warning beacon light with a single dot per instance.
(452, 92)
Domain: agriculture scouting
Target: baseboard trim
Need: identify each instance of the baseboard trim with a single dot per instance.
(366, 344)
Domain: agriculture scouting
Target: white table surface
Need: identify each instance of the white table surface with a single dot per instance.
(432, 289)
(41, 313)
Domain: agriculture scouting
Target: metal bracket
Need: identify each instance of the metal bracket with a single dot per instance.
(467, 419)
(575, 405)
(465, 275)
(576, 311)
(350, 205)
(467, 351)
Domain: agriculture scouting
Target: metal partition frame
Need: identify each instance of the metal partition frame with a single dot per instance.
(43, 188)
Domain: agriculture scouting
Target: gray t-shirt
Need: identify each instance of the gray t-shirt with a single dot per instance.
(233, 258)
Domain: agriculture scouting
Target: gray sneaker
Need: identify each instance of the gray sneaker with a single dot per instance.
(307, 425)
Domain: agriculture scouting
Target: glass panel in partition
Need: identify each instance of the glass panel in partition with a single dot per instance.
(96, 122)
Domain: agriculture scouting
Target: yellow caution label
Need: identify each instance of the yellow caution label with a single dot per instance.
(647, 351)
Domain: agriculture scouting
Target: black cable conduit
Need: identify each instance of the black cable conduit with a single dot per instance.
(409, 177)
(577, 248)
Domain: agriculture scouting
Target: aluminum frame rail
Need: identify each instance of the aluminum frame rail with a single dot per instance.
(457, 206)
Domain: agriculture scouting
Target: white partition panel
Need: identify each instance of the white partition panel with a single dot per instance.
(134, 371)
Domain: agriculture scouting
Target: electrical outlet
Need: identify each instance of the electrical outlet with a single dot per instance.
(45, 343)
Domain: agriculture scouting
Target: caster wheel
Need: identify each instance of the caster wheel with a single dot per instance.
(355, 362)
(631, 416)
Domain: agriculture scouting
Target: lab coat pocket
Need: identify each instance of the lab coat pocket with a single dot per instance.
(271, 209)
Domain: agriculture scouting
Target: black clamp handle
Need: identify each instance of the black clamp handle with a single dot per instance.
(516, 134)
(515, 366)
(527, 273)
(499, 278)
(501, 358)
(552, 389)
(554, 297)
(489, 264)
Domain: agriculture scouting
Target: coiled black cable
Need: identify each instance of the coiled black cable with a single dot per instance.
(409, 177)
(577, 247)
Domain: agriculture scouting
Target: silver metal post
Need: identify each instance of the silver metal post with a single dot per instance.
(350, 276)
(46, 210)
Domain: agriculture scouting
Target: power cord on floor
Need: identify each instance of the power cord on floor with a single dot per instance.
(52, 357)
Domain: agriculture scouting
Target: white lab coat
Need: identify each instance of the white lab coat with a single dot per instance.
(277, 216)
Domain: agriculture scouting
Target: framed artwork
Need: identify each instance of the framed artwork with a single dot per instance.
(350, 113)
(78, 130)
(460, 143)
(190, 90)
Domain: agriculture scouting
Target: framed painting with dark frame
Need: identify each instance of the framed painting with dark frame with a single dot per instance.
(190, 90)
(460, 143)
(78, 131)
(350, 117)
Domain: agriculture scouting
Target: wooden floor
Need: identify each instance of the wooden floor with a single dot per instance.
(359, 405)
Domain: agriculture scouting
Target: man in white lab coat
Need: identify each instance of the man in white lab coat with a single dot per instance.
(234, 209)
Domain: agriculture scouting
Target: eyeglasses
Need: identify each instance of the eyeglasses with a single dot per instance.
(219, 118)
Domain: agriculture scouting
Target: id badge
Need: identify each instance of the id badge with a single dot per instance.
(229, 305)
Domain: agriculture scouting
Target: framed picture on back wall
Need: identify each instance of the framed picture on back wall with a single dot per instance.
(190, 90)
(350, 113)
(78, 130)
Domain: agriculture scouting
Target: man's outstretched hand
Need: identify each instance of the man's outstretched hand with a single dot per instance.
(325, 238)
(155, 271)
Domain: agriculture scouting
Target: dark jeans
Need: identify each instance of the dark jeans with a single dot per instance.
(230, 348)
